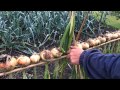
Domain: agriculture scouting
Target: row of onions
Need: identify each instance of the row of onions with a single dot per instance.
(91, 42)
(12, 62)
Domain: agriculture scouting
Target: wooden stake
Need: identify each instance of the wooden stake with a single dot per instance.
(81, 28)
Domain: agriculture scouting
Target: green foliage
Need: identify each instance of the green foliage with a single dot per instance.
(109, 18)
(30, 31)
(113, 21)
(46, 73)
(67, 40)
(115, 13)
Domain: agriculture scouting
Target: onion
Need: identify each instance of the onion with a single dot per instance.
(102, 39)
(97, 41)
(79, 45)
(85, 45)
(114, 36)
(91, 42)
(10, 64)
(35, 58)
(2, 67)
(56, 52)
(108, 36)
(23, 60)
(118, 35)
(46, 54)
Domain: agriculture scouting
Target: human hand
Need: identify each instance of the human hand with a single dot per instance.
(74, 54)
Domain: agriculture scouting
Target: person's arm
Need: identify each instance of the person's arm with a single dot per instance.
(100, 66)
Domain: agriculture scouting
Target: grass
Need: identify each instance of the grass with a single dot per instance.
(110, 20)
(113, 21)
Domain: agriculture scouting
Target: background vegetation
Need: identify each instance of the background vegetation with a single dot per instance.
(30, 31)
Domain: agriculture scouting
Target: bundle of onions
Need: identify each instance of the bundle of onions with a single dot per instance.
(23, 60)
(56, 52)
(46, 54)
(35, 58)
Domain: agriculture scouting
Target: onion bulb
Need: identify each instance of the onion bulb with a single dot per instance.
(91, 42)
(108, 36)
(102, 39)
(11, 63)
(56, 52)
(97, 41)
(118, 33)
(35, 58)
(114, 36)
(46, 54)
(23, 60)
(85, 45)
(2, 67)
(79, 45)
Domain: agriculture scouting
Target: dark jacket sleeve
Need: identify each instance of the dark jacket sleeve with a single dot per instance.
(100, 66)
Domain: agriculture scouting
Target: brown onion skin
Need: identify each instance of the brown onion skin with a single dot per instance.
(108, 36)
(11, 64)
(114, 36)
(118, 35)
(2, 67)
(85, 45)
(23, 60)
(35, 58)
(91, 42)
(102, 39)
(97, 41)
(56, 52)
(46, 54)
